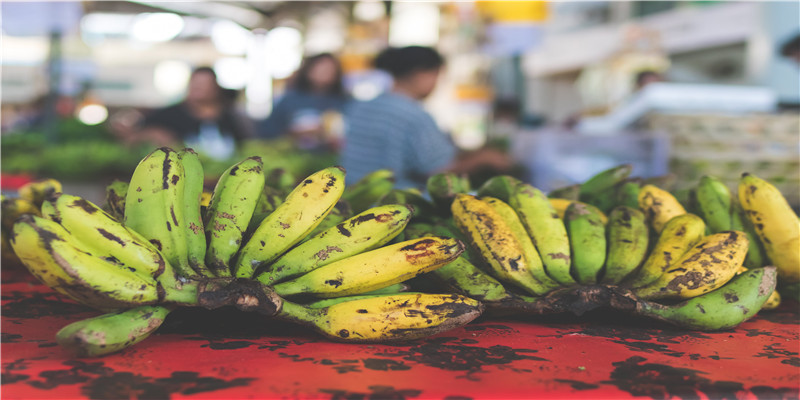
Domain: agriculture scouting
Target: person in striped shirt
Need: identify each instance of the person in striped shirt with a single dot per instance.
(393, 131)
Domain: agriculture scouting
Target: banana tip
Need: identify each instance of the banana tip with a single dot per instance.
(745, 174)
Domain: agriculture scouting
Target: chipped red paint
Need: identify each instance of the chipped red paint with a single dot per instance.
(227, 354)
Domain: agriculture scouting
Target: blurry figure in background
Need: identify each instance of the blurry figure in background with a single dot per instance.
(647, 77)
(791, 49)
(310, 105)
(394, 131)
(505, 118)
(205, 120)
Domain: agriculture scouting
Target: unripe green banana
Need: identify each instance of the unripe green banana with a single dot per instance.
(678, 236)
(386, 318)
(304, 208)
(627, 243)
(103, 236)
(500, 186)
(587, 239)
(154, 206)
(423, 209)
(50, 254)
(115, 199)
(571, 192)
(627, 193)
(280, 179)
(708, 265)
(374, 269)
(195, 234)
(110, 333)
(756, 255)
(534, 261)
(366, 231)
(229, 213)
(602, 182)
(499, 248)
(444, 187)
(723, 308)
(714, 200)
(369, 190)
(268, 201)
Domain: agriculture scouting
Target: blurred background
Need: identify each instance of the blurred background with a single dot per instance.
(566, 89)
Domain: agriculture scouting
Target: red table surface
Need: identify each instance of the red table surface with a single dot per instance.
(226, 354)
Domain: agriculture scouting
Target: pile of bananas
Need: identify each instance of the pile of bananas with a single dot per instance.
(155, 247)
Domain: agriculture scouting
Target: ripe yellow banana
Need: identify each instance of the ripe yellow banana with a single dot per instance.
(486, 230)
(678, 236)
(387, 318)
(775, 223)
(304, 208)
(659, 206)
(708, 265)
(15, 207)
(37, 192)
(374, 269)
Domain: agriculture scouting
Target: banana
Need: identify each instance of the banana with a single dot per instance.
(280, 179)
(773, 301)
(341, 211)
(560, 205)
(369, 190)
(387, 318)
(587, 239)
(15, 207)
(756, 255)
(714, 201)
(103, 236)
(666, 181)
(532, 258)
(498, 246)
(7, 255)
(229, 213)
(205, 200)
(708, 265)
(46, 249)
(775, 223)
(723, 308)
(336, 300)
(37, 192)
(599, 185)
(154, 206)
(374, 269)
(461, 275)
(500, 186)
(195, 234)
(304, 208)
(627, 244)
(423, 209)
(366, 231)
(110, 333)
(659, 206)
(627, 193)
(444, 187)
(678, 236)
(269, 200)
(546, 229)
(570, 192)
(115, 199)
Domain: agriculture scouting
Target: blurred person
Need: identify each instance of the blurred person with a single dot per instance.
(205, 120)
(394, 131)
(791, 49)
(647, 77)
(314, 93)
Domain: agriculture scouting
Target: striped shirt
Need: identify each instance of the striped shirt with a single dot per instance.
(393, 131)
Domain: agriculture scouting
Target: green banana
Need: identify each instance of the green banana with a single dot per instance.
(534, 261)
(386, 318)
(229, 213)
(444, 187)
(366, 231)
(110, 333)
(602, 182)
(103, 236)
(627, 243)
(267, 202)
(587, 238)
(115, 199)
(570, 192)
(627, 193)
(304, 208)
(756, 255)
(280, 179)
(423, 209)
(723, 308)
(714, 200)
(195, 234)
(374, 269)
(369, 190)
(679, 235)
(154, 206)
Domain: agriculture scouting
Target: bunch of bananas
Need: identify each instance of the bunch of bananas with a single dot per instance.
(532, 254)
(154, 247)
(28, 200)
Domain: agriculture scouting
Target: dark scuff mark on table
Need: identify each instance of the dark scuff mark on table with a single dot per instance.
(578, 385)
(10, 337)
(381, 364)
(377, 392)
(8, 376)
(660, 381)
(37, 305)
(457, 398)
(787, 357)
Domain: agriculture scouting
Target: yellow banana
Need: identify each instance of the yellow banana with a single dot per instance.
(37, 192)
(659, 206)
(708, 265)
(304, 208)
(15, 207)
(375, 269)
(775, 223)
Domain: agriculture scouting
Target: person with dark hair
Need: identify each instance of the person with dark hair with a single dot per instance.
(791, 49)
(394, 131)
(646, 77)
(315, 90)
(205, 120)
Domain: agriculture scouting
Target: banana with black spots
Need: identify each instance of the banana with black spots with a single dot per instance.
(195, 234)
(116, 192)
(587, 239)
(627, 244)
(36, 192)
(659, 206)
